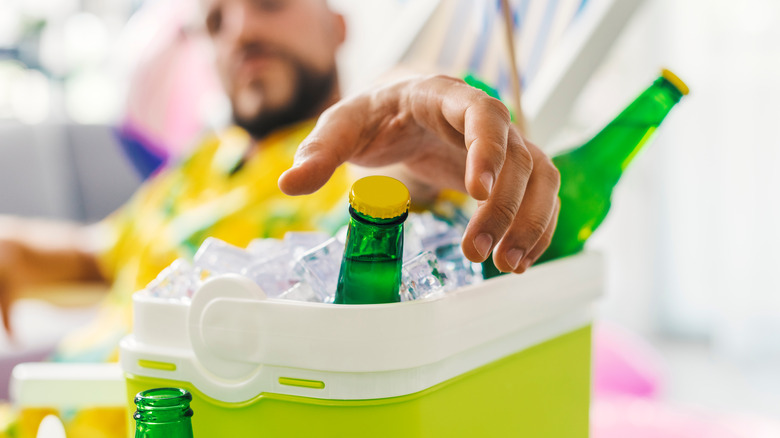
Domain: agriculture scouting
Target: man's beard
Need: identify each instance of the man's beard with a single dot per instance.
(312, 90)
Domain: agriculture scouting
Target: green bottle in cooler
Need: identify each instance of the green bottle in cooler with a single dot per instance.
(163, 413)
(371, 268)
(590, 172)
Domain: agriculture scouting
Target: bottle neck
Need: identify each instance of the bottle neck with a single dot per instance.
(373, 236)
(163, 412)
(615, 146)
(371, 268)
(377, 222)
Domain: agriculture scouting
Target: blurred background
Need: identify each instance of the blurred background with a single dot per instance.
(95, 94)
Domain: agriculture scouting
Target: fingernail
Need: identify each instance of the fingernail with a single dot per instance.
(487, 181)
(513, 257)
(483, 242)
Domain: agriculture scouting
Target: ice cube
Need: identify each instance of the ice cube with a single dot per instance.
(341, 234)
(422, 278)
(451, 213)
(425, 226)
(428, 233)
(216, 257)
(274, 274)
(298, 242)
(412, 242)
(444, 240)
(460, 270)
(265, 248)
(178, 280)
(274, 266)
(319, 268)
(302, 291)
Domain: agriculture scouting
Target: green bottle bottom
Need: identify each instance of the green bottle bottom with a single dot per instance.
(369, 280)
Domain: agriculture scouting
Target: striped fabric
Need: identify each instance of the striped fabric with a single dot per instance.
(468, 37)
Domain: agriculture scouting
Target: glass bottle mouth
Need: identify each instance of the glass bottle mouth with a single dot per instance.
(163, 398)
(163, 404)
(675, 81)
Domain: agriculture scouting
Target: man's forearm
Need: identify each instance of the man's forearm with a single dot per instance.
(35, 252)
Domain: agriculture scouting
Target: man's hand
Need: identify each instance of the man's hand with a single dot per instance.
(449, 135)
(37, 252)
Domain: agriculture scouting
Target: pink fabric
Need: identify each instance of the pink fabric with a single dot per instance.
(624, 364)
(170, 82)
(621, 417)
(627, 380)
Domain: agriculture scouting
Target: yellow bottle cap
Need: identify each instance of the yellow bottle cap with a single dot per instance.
(674, 80)
(380, 197)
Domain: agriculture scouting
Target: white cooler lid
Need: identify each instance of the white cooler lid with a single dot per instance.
(232, 337)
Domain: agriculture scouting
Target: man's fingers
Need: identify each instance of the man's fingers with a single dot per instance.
(526, 235)
(486, 131)
(483, 122)
(543, 243)
(310, 173)
(493, 217)
(333, 141)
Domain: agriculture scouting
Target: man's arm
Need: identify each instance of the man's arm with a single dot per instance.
(448, 135)
(36, 252)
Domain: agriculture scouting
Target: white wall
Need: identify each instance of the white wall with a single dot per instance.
(693, 235)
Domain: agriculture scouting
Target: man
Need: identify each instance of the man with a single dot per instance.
(276, 60)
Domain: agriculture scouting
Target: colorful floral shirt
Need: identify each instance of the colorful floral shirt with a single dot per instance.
(215, 192)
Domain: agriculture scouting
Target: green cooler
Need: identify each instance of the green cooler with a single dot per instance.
(509, 357)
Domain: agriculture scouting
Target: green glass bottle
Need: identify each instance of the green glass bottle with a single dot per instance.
(163, 413)
(371, 268)
(590, 172)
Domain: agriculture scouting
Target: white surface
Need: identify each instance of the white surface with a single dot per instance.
(38, 327)
(38, 324)
(719, 197)
(695, 375)
(68, 385)
(51, 427)
(359, 352)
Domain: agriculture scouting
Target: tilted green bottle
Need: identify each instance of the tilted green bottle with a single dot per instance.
(163, 413)
(371, 267)
(591, 171)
